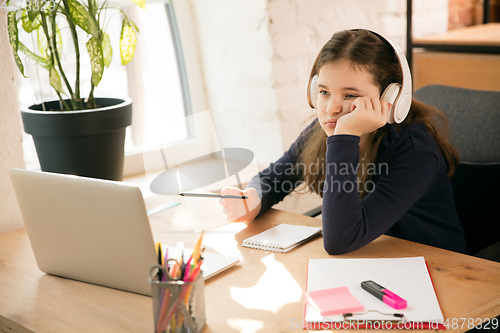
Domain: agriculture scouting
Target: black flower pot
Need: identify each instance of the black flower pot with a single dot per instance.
(85, 143)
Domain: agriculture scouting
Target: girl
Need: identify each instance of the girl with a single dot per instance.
(375, 178)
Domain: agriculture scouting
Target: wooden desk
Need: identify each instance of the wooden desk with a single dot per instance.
(467, 58)
(262, 294)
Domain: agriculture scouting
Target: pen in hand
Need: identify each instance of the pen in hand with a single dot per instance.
(210, 195)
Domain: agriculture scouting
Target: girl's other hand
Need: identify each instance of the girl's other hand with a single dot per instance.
(240, 210)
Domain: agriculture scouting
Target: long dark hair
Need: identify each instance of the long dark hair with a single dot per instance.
(366, 51)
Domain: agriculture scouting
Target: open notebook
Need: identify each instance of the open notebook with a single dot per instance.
(282, 238)
(407, 277)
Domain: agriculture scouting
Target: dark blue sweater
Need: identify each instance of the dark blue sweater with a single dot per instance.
(411, 197)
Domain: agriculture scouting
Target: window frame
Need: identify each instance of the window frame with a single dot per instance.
(184, 37)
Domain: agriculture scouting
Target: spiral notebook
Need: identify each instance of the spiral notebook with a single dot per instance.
(282, 238)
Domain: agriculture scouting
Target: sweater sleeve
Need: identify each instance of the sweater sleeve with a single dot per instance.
(350, 222)
(281, 177)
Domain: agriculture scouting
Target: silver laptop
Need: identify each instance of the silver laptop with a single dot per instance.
(92, 230)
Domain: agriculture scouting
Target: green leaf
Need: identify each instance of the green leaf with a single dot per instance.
(127, 42)
(19, 64)
(55, 80)
(107, 50)
(33, 14)
(141, 3)
(43, 45)
(14, 38)
(83, 18)
(34, 8)
(39, 60)
(49, 5)
(29, 25)
(12, 29)
(54, 28)
(129, 21)
(133, 24)
(59, 42)
(94, 47)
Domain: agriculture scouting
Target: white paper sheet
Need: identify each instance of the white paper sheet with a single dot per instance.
(407, 277)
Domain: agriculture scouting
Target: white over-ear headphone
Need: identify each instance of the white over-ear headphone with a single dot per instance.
(398, 95)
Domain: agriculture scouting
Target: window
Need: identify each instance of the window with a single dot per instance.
(158, 80)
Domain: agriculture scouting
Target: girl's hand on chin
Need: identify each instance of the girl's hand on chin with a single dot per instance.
(366, 115)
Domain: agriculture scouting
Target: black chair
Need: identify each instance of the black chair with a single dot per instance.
(474, 117)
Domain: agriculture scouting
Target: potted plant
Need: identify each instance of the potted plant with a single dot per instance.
(74, 134)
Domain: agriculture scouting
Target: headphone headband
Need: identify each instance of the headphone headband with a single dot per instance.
(402, 103)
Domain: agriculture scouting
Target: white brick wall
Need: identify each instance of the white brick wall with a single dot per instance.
(236, 55)
(257, 55)
(429, 17)
(11, 150)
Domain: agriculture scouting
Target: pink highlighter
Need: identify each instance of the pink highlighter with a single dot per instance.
(386, 296)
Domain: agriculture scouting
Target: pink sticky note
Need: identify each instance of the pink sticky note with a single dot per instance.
(333, 301)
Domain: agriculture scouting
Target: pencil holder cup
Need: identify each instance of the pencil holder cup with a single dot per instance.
(178, 306)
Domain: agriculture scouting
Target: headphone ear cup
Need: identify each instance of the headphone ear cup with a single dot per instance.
(390, 95)
(313, 91)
